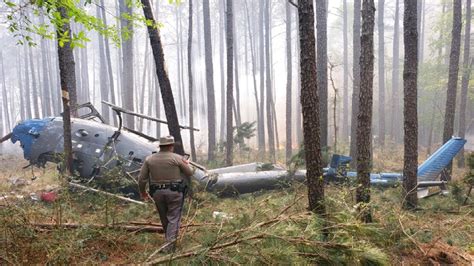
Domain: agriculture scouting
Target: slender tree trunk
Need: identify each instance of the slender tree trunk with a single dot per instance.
(108, 56)
(143, 90)
(47, 88)
(85, 74)
(127, 59)
(68, 83)
(254, 71)
(268, 83)
(104, 90)
(381, 70)
(35, 86)
(230, 81)
(322, 66)
(310, 107)
(29, 114)
(299, 111)
(211, 101)
(356, 81)
(465, 80)
(289, 73)
(395, 129)
(261, 30)
(21, 95)
(238, 119)
(165, 86)
(345, 105)
(453, 76)
(221, 62)
(364, 117)
(190, 80)
(410, 110)
(6, 108)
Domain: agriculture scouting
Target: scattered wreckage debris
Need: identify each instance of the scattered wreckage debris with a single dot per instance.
(100, 149)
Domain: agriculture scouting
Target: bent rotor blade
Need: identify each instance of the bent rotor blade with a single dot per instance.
(125, 111)
(5, 138)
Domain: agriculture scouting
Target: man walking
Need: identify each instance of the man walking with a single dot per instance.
(164, 172)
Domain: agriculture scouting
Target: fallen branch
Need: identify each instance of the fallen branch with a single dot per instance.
(106, 193)
(132, 228)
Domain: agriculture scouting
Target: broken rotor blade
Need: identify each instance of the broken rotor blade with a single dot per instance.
(7, 137)
(125, 111)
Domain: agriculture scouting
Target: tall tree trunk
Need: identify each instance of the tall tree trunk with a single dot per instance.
(254, 71)
(289, 77)
(453, 76)
(68, 83)
(165, 86)
(410, 110)
(230, 81)
(322, 66)
(190, 80)
(345, 106)
(108, 56)
(310, 107)
(221, 61)
(465, 80)
(381, 70)
(47, 88)
(261, 30)
(356, 81)
(238, 119)
(299, 111)
(104, 90)
(35, 87)
(211, 100)
(394, 125)
(27, 86)
(268, 83)
(22, 90)
(364, 117)
(85, 74)
(127, 59)
(6, 108)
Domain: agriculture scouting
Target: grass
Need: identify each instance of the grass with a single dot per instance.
(264, 228)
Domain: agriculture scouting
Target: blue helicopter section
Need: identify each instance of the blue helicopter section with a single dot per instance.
(439, 160)
(27, 133)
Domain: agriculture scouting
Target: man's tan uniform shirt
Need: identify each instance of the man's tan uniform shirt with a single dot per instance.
(163, 167)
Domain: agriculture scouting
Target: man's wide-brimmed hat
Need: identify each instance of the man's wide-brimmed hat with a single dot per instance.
(168, 140)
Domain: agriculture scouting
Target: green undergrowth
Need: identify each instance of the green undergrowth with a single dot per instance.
(260, 228)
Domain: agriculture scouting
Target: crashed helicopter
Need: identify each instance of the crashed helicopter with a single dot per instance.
(100, 148)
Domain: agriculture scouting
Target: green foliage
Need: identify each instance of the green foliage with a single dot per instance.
(244, 132)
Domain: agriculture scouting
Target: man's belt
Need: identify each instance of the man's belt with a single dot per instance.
(179, 186)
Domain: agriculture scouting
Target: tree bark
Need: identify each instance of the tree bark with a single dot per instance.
(356, 80)
(410, 110)
(211, 100)
(222, 65)
(345, 106)
(465, 80)
(165, 86)
(381, 70)
(299, 112)
(127, 61)
(268, 84)
(34, 85)
(68, 83)
(47, 88)
(104, 90)
(289, 77)
(230, 81)
(6, 108)
(364, 117)
(310, 107)
(261, 30)
(27, 95)
(394, 125)
(322, 66)
(190, 80)
(453, 76)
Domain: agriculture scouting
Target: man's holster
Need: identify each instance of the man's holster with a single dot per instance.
(173, 186)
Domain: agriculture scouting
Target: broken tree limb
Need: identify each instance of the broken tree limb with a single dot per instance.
(106, 193)
(131, 228)
(7, 137)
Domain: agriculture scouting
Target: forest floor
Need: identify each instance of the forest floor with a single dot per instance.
(260, 228)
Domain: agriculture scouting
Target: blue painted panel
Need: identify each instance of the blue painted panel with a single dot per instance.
(27, 132)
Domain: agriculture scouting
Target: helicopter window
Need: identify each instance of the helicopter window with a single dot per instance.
(130, 153)
(82, 133)
(96, 135)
